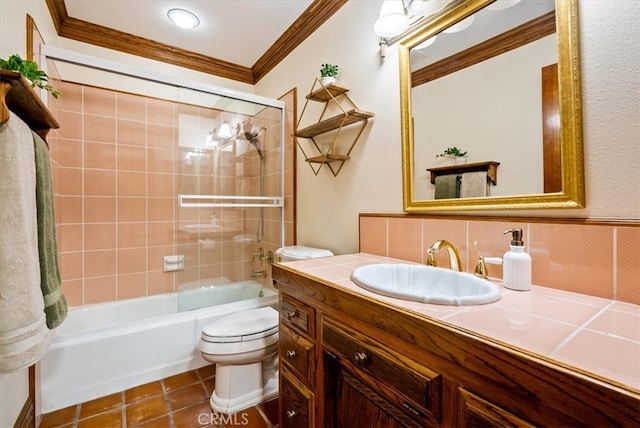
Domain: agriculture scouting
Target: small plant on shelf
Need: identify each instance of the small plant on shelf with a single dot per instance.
(30, 70)
(329, 70)
(453, 152)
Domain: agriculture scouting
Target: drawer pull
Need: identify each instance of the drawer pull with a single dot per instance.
(291, 315)
(291, 353)
(360, 358)
(291, 414)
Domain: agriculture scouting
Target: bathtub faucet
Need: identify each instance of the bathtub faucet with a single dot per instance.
(259, 274)
(261, 255)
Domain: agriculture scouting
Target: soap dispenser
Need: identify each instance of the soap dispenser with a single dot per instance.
(516, 263)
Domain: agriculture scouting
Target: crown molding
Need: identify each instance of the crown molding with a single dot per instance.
(83, 31)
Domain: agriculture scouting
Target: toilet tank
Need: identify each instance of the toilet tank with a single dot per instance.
(300, 252)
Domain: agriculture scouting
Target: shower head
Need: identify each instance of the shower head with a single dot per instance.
(252, 137)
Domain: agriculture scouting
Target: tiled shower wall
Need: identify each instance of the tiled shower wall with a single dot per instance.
(599, 258)
(117, 169)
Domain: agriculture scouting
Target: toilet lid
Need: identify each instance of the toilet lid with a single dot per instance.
(242, 326)
(300, 252)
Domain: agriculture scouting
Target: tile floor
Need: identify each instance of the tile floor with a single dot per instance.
(180, 401)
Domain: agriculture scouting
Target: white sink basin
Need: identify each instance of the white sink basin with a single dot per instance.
(426, 284)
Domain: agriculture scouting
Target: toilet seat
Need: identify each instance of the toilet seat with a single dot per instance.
(245, 326)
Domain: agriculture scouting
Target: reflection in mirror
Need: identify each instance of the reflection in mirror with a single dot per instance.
(494, 90)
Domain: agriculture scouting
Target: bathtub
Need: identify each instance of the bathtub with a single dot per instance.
(105, 348)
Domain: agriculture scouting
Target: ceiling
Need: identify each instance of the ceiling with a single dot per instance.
(237, 39)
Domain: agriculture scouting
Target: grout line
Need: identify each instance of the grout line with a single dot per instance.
(573, 334)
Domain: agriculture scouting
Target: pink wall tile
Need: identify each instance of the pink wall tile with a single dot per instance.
(99, 209)
(405, 239)
(70, 125)
(131, 107)
(69, 237)
(160, 282)
(99, 263)
(99, 182)
(72, 99)
(160, 185)
(373, 235)
(628, 264)
(160, 160)
(131, 209)
(70, 209)
(70, 181)
(132, 183)
(161, 209)
(99, 102)
(161, 112)
(131, 158)
(73, 290)
(131, 235)
(131, 260)
(160, 233)
(155, 256)
(132, 285)
(160, 137)
(132, 133)
(99, 236)
(99, 290)
(99, 129)
(573, 257)
(69, 153)
(71, 265)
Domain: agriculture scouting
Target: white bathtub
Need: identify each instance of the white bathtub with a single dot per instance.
(109, 347)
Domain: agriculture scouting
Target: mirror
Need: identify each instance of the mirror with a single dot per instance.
(505, 123)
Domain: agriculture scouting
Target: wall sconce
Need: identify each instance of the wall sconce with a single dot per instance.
(225, 131)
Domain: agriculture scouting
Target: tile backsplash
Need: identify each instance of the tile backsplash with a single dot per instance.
(594, 258)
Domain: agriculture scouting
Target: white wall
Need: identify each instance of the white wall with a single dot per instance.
(370, 181)
(14, 390)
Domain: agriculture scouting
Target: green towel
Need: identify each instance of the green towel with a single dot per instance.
(55, 304)
(447, 186)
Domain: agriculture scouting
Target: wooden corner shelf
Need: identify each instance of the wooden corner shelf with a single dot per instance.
(350, 115)
(490, 166)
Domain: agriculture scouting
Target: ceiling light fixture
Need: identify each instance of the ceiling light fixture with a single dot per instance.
(183, 18)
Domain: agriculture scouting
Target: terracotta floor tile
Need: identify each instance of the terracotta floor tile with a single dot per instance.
(142, 391)
(196, 416)
(249, 418)
(182, 379)
(163, 422)
(210, 384)
(207, 371)
(145, 410)
(100, 405)
(270, 410)
(187, 396)
(59, 417)
(110, 419)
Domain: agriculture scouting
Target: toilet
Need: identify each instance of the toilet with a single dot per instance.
(244, 348)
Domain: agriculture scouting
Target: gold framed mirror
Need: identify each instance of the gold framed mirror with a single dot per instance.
(420, 171)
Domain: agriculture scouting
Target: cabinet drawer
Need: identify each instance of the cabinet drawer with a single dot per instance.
(297, 405)
(418, 384)
(298, 353)
(297, 315)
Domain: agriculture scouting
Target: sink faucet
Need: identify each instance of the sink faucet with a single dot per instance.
(454, 257)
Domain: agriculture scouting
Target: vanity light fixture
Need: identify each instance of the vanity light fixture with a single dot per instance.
(183, 18)
(393, 19)
(225, 131)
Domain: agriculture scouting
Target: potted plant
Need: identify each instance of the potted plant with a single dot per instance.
(454, 155)
(328, 73)
(30, 70)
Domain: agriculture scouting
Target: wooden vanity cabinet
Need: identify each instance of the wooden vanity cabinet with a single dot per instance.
(364, 363)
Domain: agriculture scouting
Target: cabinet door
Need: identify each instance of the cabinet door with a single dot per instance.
(296, 402)
(477, 412)
(351, 403)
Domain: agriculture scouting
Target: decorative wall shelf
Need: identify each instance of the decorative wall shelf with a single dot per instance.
(348, 114)
(17, 95)
(490, 166)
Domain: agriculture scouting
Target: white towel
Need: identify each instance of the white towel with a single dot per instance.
(474, 184)
(23, 333)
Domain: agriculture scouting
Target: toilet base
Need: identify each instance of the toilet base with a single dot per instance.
(238, 387)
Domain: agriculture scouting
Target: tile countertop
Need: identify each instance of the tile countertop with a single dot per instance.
(592, 334)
